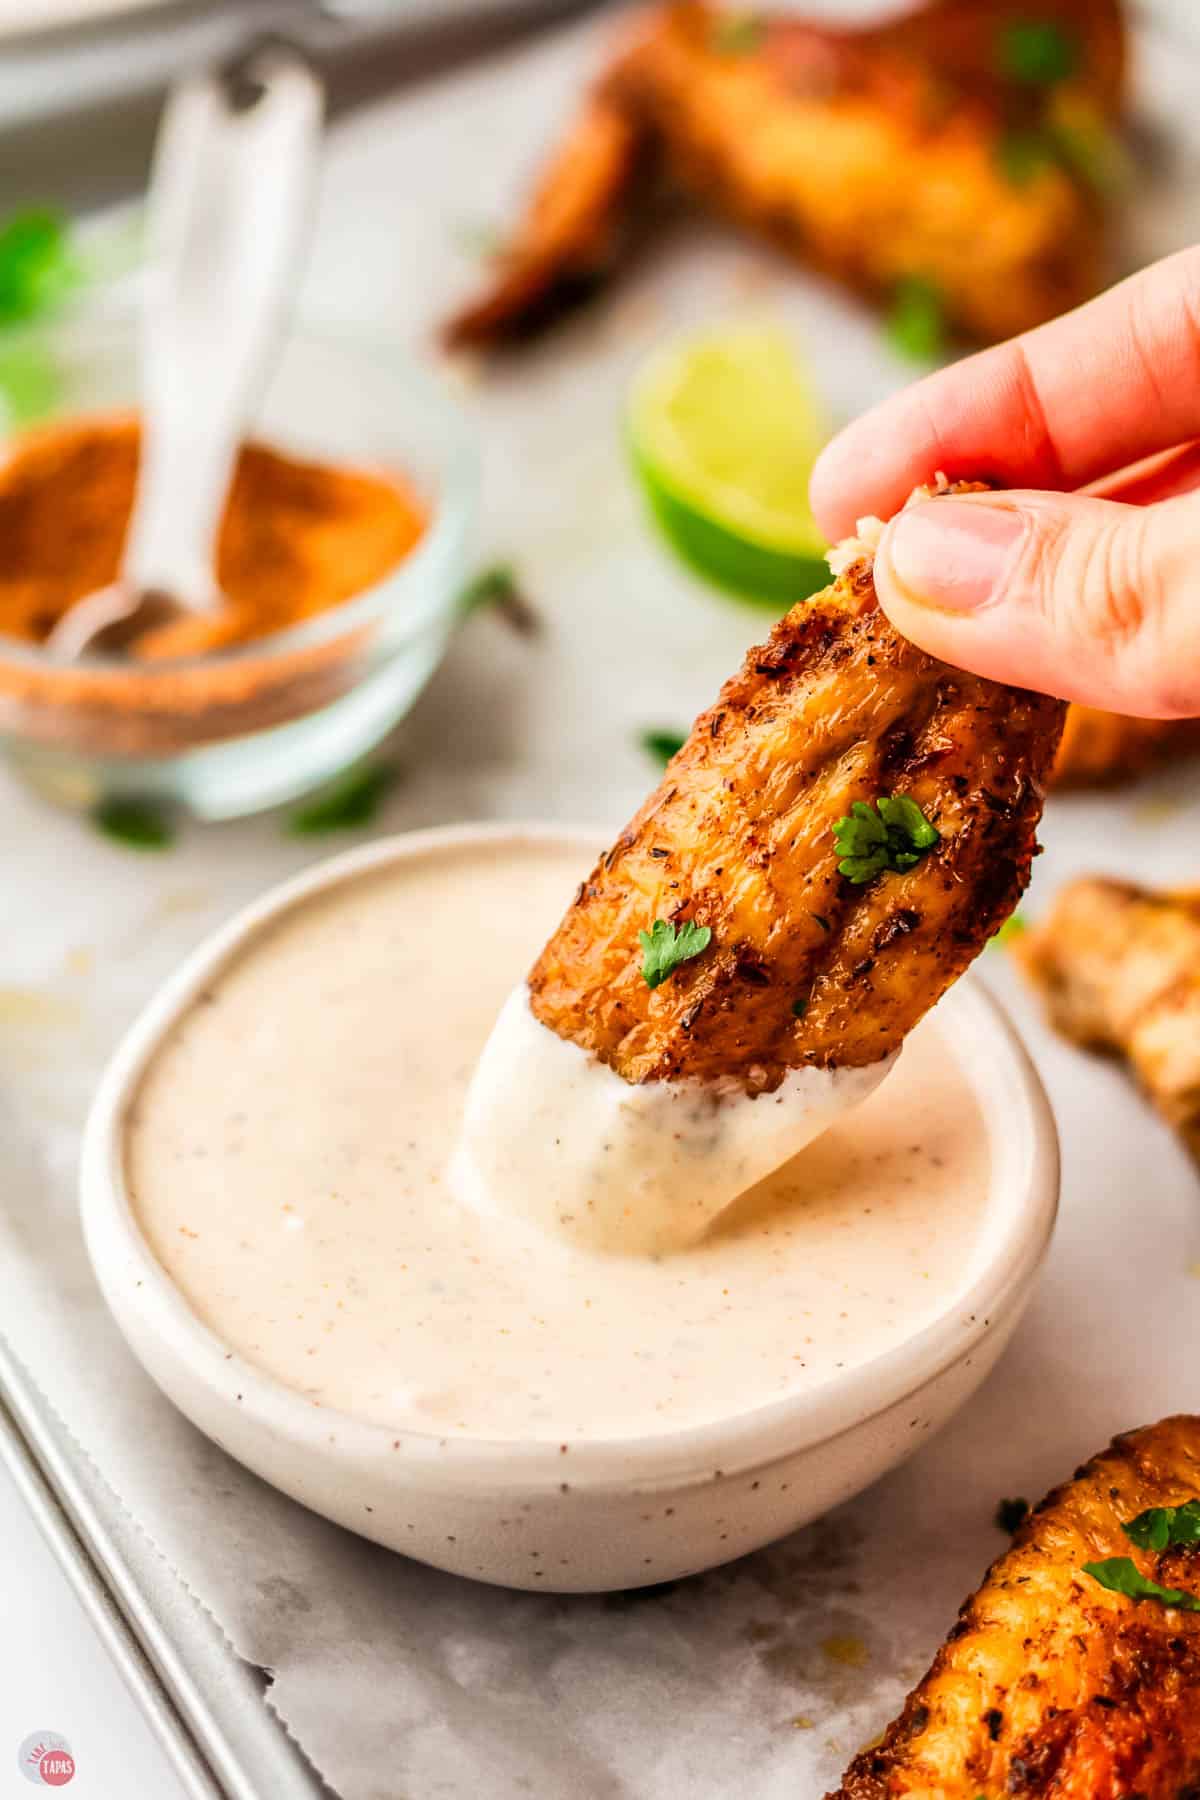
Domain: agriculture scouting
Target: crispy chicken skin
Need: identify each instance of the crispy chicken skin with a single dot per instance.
(804, 967)
(1118, 969)
(1049, 1684)
(1101, 749)
(900, 151)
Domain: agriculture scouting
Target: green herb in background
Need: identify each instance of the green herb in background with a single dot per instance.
(1040, 52)
(1161, 1526)
(1122, 1576)
(661, 743)
(30, 382)
(350, 801)
(1009, 1514)
(479, 238)
(736, 34)
(916, 324)
(894, 835)
(497, 587)
(1023, 155)
(666, 946)
(1087, 149)
(138, 824)
(38, 264)
(1014, 926)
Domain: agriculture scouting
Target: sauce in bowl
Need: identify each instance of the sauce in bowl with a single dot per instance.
(286, 1154)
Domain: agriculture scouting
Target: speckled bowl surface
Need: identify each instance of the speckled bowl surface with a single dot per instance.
(611, 1513)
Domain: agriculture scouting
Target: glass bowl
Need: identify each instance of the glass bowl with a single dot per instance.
(254, 725)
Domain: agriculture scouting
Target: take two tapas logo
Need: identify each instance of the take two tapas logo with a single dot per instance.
(45, 1759)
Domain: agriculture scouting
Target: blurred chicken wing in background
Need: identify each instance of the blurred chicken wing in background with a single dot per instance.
(963, 150)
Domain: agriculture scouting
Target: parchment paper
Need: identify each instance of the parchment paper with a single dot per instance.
(760, 1680)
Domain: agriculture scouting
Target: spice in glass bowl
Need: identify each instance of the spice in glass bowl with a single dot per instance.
(297, 537)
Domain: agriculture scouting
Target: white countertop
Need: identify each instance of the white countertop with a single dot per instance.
(55, 1676)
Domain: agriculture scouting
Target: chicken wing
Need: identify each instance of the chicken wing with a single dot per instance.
(1050, 1683)
(1118, 968)
(806, 966)
(1101, 749)
(958, 147)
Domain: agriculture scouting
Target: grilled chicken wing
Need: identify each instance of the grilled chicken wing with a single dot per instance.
(1101, 749)
(805, 967)
(1051, 1684)
(952, 147)
(1118, 968)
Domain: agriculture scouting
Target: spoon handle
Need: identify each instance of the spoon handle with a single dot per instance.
(230, 197)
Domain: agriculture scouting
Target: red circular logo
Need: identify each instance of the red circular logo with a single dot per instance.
(56, 1768)
(45, 1759)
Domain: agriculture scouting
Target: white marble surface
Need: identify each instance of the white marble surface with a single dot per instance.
(763, 1680)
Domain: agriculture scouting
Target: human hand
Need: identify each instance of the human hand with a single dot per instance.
(1094, 595)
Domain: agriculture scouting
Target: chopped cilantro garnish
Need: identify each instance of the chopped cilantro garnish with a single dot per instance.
(497, 587)
(916, 324)
(736, 34)
(1024, 154)
(351, 800)
(37, 263)
(799, 1008)
(667, 945)
(661, 744)
(1009, 1514)
(1040, 52)
(893, 835)
(1122, 1576)
(139, 824)
(1161, 1526)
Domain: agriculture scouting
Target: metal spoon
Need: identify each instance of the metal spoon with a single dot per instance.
(229, 200)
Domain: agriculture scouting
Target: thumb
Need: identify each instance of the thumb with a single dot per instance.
(1071, 595)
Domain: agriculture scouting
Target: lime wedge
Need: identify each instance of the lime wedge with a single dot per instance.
(724, 430)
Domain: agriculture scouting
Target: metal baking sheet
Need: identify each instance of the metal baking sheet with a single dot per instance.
(208, 1704)
(204, 1704)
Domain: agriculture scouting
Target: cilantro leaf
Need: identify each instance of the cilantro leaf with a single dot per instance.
(1160, 1526)
(916, 323)
(1023, 155)
(37, 264)
(663, 743)
(799, 1008)
(1122, 1576)
(138, 824)
(350, 800)
(1038, 52)
(894, 835)
(666, 946)
(736, 34)
(497, 586)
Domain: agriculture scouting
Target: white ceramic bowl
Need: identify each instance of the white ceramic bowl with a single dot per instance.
(614, 1514)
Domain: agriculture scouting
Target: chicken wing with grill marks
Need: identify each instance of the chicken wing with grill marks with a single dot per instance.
(960, 146)
(806, 967)
(1050, 1684)
(1118, 967)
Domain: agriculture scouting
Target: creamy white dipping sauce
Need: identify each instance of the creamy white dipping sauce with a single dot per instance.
(554, 1137)
(287, 1153)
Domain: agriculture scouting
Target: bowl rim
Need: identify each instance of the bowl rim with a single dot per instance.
(452, 513)
(690, 1454)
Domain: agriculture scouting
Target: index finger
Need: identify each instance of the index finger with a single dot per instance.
(1112, 382)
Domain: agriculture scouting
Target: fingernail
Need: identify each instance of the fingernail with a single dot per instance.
(956, 555)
